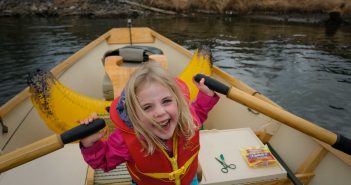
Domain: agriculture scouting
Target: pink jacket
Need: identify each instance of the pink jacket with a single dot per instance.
(108, 154)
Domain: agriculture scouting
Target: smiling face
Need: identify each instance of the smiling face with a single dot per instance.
(159, 105)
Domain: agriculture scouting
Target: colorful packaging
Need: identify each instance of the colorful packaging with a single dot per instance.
(258, 156)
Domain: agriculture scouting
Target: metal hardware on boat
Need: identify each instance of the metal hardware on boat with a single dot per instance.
(130, 30)
(254, 93)
(253, 111)
(5, 129)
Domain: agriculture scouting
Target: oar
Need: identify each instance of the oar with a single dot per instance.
(337, 141)
(48, 145)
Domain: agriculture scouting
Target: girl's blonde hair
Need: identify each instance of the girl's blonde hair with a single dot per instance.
(154, 73)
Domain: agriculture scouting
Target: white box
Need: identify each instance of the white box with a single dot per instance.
(229, 142)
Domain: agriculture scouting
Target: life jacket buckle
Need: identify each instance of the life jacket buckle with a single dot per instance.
(176, 173)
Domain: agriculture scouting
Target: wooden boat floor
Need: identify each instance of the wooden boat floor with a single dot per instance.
(119, 176)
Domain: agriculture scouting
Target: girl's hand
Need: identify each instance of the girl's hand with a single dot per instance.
(90, 140)
(203, 88)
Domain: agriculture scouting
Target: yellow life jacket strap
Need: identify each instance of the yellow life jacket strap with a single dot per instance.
(174, 174)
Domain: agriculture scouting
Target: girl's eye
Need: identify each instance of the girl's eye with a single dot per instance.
(165, 101)
(145, 108)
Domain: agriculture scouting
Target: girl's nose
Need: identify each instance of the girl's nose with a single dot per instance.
(159, 111)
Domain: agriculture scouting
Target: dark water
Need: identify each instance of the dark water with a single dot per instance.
(303, 67)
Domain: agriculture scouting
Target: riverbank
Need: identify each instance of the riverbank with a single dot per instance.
(316, 11)
(53, 8)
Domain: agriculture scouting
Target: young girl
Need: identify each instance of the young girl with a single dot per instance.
(157, 130)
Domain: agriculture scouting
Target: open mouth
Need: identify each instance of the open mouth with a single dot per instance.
(164, 124)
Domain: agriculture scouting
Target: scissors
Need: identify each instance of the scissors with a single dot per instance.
(225, 165)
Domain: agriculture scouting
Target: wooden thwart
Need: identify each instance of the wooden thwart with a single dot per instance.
(122, 36)
(119, 74)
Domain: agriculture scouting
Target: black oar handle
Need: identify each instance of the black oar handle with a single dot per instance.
(342, 143)
(213, 84)
(82, 131)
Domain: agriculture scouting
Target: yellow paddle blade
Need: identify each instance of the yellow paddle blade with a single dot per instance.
(200, 63)
(59, 106)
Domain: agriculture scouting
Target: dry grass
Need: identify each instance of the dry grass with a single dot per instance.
(220, 6)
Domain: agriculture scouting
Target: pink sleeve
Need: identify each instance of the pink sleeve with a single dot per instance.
(108, 154)
(203, 104)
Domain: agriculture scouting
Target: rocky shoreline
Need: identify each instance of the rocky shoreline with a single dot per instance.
(134, 8)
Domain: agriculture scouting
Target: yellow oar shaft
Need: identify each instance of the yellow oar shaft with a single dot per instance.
(282, 116)
(30, 152)
(48, 145)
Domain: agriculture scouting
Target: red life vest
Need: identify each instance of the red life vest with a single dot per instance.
(159, 168)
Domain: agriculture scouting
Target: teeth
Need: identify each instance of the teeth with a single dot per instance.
(164, 123)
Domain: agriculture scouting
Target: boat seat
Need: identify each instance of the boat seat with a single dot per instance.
(118, 73)
(134, 54)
